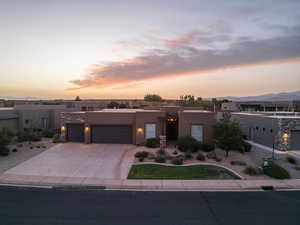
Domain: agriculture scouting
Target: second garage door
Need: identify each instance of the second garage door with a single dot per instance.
(112, 134)
(295, 145)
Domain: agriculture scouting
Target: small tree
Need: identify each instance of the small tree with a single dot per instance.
(152, 98)
(77, 98)
(228, 134)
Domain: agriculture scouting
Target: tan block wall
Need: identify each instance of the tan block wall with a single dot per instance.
(206, 119)
(142, 118)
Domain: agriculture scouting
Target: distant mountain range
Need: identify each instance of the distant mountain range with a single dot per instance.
(284, 96)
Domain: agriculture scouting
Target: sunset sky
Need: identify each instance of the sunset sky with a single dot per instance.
(126, 48)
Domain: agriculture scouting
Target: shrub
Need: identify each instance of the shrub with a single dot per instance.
(56, 138)
(188, 155)
(160, 159)
(291, 160)
(4, 151)
(200, 157)
(48, 133)
(177, 161)
(142, 154)
(247, 146)
(250, 170)
(238, 163)
(207, 147)
(151, 155)
(152, 142)
(188, 143)
(4, 142)
(141, 159)
(161, 152)
(274, 170)
(29, 135)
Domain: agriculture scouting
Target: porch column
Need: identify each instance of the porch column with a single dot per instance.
(63, 133)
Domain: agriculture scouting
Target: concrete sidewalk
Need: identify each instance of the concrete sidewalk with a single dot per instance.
(111, 184)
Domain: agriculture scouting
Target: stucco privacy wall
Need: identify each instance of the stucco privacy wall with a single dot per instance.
(268, 129)
(260, 129)
(205, 119)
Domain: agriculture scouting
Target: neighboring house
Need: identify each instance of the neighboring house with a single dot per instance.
(280, 129)
(42, 117)
(254, 106)
(9, 119)
(134, 126)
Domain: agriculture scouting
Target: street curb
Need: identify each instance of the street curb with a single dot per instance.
(65, 183)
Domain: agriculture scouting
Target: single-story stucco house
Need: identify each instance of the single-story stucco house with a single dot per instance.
(134, 126)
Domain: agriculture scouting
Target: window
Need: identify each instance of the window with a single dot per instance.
(197, 132)
(264, 129)
(44, 123)
(150, 130)
(271, 130)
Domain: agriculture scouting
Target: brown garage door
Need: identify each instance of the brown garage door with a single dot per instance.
(75, 133)
(113, 134)
(295, 145)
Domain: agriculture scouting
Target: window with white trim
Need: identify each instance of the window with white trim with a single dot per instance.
(150, 130)
(197, 132)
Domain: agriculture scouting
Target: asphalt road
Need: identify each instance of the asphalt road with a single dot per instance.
(73, 207)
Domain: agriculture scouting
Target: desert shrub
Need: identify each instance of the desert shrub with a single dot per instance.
(207, 147)
(274, 170)
(177, 161)
(291, 160)
(4, 151)
(247, 146)
(56, 138)
(4, 142)
(141, 159)
(29, 135)
(250, 170)
(188, 143)
(200, 157)
(160, 159)
(188, 155)
(238, 163)
(48, 133)
(152, 142)
(151, 155)
(161, 152)
(142, 154)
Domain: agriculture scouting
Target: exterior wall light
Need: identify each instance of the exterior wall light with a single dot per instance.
(87, 129)
(285, 137)
(140, 130)
(63, 129)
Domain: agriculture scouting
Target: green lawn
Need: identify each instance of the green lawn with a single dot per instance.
(196, 172)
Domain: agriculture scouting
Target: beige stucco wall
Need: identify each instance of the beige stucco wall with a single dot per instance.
(205, 119)
(142, 118)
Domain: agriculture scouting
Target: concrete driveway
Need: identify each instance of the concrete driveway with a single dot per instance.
(105, 161)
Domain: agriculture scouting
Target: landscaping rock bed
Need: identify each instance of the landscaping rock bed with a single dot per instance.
(20, 152)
